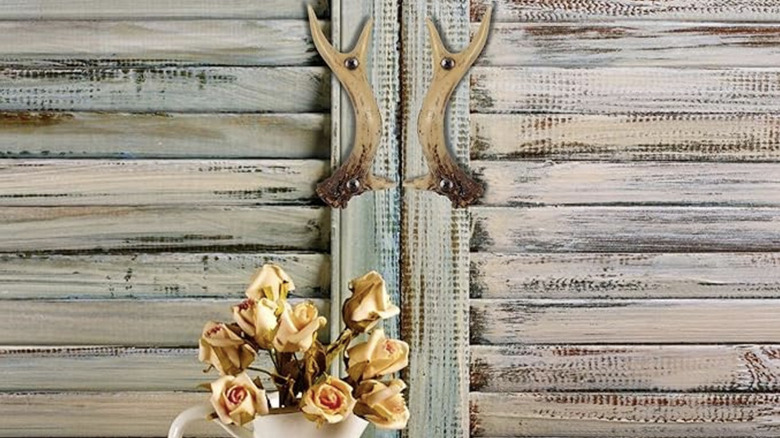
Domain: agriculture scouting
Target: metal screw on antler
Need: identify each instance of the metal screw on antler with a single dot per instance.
(354, 176)
(445, 177)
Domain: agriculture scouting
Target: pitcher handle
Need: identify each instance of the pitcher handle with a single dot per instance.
(199, 413)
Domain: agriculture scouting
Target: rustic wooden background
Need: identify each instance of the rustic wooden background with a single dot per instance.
(624, 267)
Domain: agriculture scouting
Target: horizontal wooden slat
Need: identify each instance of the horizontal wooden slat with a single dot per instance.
(633, 43)
(624, 321)
(152, 43)
(625, 368)
(577, 10)
(122, 135)
(157, 182)
(653, 183)
(79, 414)
(187, 89)
(137, 9)
(624, 90)
(154, 323)
(626, 414)
(104, 368)
(684, 275)
(24, 229)
(700, 137)
(169, 275)
(626, 229)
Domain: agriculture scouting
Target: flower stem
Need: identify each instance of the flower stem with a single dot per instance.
(335, 348)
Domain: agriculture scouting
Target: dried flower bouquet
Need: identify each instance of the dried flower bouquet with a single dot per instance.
(267, 321)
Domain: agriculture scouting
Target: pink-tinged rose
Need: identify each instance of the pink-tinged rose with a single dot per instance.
(368, 304)
(224, 349)
(270, 282)
(237, 399)
(382, 403)
(330, 401)
(378, 356)
(297, 328)
(257, 318)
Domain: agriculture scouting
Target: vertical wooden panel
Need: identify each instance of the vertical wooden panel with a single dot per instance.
(434, 241)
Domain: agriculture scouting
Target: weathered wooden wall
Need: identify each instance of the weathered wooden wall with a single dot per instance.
(152, 155)
(624, 268)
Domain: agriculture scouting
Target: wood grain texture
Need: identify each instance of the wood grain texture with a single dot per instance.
(667, 137)
(624, 90)
(117, 322)
(32, 183)
(145, 9)
(24, 229)
(626, 229)
(684, 368)
(616, 275)
(186, 89)
(625, 414)
(102, 414)
(154, 42)
(167, 275)
(163, 135)
(653, 183)
(579, 10)
(624, 321)
(634, 44)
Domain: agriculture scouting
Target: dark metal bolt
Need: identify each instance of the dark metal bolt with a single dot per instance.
(353, 185)
(448, 63)
(351, 63)
(446, 185)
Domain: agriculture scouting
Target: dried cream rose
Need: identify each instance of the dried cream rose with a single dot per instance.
(237, 399)
(224, 349)
(382, 403)
(270, 282)
(330, 401)
(368, 304)
(297, 327)
(378, 356)
(258, 319)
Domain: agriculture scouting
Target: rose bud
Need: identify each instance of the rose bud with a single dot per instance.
(237, 399)
(378, 356)
(368, 304)
(382, 403)
(258, 319)
(224, 349)
(270, 282)
(330, 401)
(297, 327)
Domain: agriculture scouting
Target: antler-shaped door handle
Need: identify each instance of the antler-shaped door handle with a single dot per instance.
(354, 176)
(444, 176)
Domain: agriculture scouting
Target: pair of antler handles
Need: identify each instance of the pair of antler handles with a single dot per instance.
(354, 176)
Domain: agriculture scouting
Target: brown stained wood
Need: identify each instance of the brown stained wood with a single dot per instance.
(624, 321)
(625, 229)
(445, 177)
(117, 322)
(166, 89)
(678, 137)
(685, 275)
(624, 90)
(625, 368)
(633, 44)
(168, 275)
(653, 183)
(580, 10)
(138, 229)
(155, 42)
(146, 9)
(607, 414)
(98, 414)
(163, 135)
(31, 183)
